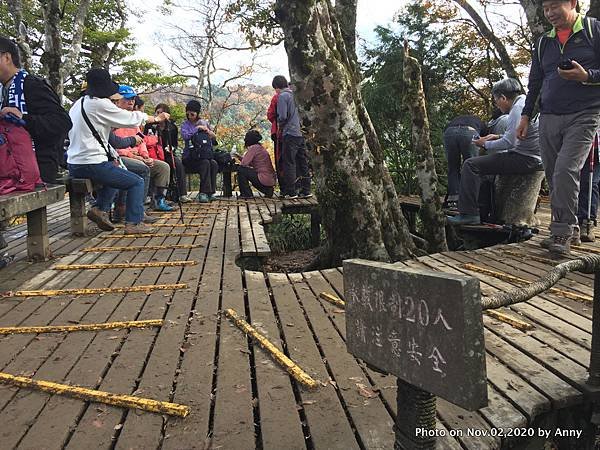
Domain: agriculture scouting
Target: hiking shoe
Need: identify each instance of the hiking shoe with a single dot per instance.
(305, 195)
(118, 214)
(576, 236)
(100, 218)
(149, 219)
(463, 219)
(203, 198)
(161, 205)
(289, 196)
(269, 192)
(138, 228)
(561, 246)
(185, 199)
(587, 231)
(212, 198)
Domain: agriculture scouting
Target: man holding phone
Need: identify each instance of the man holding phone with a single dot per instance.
(565, 72)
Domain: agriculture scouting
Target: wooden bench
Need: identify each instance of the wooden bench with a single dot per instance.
(78, 188)
(34, 205)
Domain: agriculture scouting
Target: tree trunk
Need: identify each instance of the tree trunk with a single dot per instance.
(488, 34)
(516, 198)
(75, 50)
(345, 11)
(434, 221)
(52, 57)
(535, 17)
(15, 8)
(594, 10)
(360, 210)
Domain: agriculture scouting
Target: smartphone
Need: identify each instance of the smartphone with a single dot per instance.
(566, 64)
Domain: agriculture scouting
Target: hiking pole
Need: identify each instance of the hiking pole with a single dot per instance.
(175, 179)
(590, 188)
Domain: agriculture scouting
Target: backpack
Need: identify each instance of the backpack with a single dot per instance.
(155, 150)
(200, 147)
(223, 159)
(19, 170)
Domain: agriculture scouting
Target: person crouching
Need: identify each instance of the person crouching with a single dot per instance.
(255, 167)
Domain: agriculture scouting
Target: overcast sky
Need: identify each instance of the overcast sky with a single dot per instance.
(368, 17)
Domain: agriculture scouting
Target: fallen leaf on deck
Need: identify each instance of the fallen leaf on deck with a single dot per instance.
(98, 423)
(365, 391)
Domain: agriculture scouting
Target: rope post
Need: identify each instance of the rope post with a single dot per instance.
(594, 370)
(415, 422)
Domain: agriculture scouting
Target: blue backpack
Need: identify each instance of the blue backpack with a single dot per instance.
(200, 147)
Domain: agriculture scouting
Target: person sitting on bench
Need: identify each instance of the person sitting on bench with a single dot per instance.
(521, 157)
(255, 167)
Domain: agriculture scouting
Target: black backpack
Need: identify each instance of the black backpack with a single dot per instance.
(200, 147)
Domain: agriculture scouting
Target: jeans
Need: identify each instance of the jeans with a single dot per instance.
(113, 178)
(496, 164)
(139, 168)
(294, 165)
(247, 175)
(458, 142)
(584, 190)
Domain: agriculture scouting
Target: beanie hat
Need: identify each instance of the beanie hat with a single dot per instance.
(252, 137)
(194, 106)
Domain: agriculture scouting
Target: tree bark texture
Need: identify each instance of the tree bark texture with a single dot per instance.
(488, 34)
(434, 221)
(345, 11)
(361, 213)
(516, 198)
(535, 17)
(52, 57)
(75, 49)
(15, 8)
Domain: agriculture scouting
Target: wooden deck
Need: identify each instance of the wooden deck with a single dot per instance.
(240, 398)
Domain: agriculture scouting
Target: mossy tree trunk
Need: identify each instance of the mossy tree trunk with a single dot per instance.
(432, 216)
(361, 213)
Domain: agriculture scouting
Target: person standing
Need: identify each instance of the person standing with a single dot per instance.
(565, 73)
(294, 159)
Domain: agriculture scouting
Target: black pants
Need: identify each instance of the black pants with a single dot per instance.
(48, 165)
(179, 172)
(294, 164)
(207, 169)
(247, 175)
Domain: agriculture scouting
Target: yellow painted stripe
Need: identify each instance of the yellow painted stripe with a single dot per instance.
(548, 261)
(138, 248)
(82, 327)
(292, 368)
(333, 299)
(150, 235)
(124, 265)
(122, 401)
(94, 291)
(518, 324)
(180, 225)
(511, 278)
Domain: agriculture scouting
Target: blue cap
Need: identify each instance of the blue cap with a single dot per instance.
(127, 91)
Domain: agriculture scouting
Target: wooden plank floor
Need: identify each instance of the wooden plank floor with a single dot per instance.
(239, 397)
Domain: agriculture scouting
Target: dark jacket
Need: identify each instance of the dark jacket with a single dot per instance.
(46, 120)
(560, 96)
(118, 142)
(167, 136)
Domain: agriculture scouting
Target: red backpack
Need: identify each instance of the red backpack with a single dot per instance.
(19, 171)
(155, 150)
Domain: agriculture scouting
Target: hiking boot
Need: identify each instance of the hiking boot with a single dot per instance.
(161, 205)
(185, 199)
(576, 236)
(138, 228)
(203, 198)
(561, 246)
(463, 219)
(100, 218)
(587, 231)
(118, 214)
(149, 219)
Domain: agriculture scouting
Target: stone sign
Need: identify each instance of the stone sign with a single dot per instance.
(422, 326)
